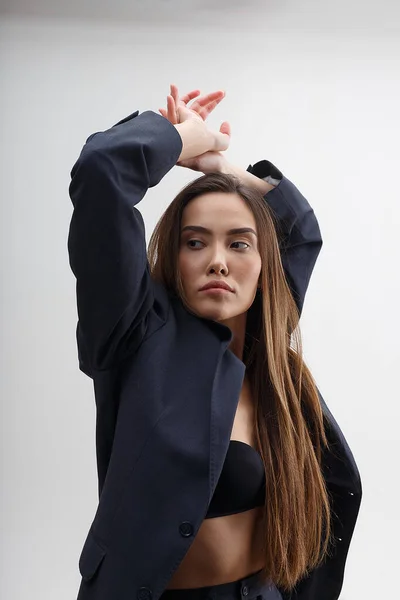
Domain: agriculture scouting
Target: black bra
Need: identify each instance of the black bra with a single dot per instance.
(241, 485)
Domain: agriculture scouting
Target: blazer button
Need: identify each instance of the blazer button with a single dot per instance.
(144, 594)
(186, 529)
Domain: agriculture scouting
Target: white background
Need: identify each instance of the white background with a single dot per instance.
(311, 85)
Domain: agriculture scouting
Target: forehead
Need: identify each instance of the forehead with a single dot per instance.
(216, 209)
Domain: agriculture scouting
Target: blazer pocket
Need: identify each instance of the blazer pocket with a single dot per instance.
(91, 556)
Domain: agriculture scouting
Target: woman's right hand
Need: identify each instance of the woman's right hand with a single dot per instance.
(196, 137)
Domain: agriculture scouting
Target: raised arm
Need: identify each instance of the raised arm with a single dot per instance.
(298, 231)
(106, 242)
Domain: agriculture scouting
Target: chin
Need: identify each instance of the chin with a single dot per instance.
(217, 317)
(212, 313)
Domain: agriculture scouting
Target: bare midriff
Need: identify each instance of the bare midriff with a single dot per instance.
(225, 549)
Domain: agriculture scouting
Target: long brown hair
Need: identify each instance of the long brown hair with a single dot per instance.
(289, 422)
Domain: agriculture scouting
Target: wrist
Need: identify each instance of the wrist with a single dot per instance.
(227, 168)
(248, 179)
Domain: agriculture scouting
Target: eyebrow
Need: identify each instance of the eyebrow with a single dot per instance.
(236, 231)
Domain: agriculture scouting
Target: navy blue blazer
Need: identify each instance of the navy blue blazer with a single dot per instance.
(166, 383)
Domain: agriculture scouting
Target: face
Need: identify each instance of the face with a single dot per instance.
(219, 245)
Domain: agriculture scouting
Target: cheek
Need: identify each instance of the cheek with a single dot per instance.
(187, 270)
(257, 270)
(250, 273)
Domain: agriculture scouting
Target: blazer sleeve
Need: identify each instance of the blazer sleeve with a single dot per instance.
(297, 228)
(106, 241)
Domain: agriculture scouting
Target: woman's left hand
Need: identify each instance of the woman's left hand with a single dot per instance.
(203, 106)
(209, 162)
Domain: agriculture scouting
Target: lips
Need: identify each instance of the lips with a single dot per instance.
(222, 285)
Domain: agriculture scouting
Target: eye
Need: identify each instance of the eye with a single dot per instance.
(244, 243)
(192, 244)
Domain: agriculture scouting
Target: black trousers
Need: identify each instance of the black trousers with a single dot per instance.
(248, 588)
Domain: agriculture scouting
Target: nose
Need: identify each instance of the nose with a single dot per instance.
(219, 270)
(218, 266)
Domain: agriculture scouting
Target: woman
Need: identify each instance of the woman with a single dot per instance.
(221, 471)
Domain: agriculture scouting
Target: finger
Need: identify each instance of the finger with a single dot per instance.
(190, 96)
(204, 100)
(171, 108)
(225, 128)
(204, 112)
(163, 112)
(175, 94)
(222, 141)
